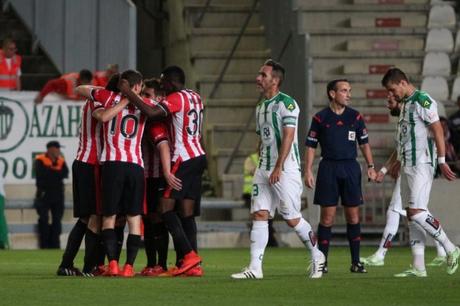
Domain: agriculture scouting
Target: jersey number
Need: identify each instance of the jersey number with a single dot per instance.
(196, 118)
(128, 126)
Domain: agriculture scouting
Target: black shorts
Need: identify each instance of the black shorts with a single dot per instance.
(123, 188)
(338, 179)
(154, 188)
(86, 189)
(190, 173)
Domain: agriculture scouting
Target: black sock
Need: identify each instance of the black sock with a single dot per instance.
(110, 243)
(132, 246)
(161, 241)
(174, 226)
(324, 238)
(354, 239)
(92, 242)
(149, 243)
(100, 252)
(189, 226)
(73, 244)
(120, 232)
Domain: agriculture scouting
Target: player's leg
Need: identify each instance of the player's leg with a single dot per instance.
(391, 228)
(149, 235)
(66, 267)
(420, 182)
(161, 242)
(92, 246)
(417, 242)
(289, 191)
(263, 199)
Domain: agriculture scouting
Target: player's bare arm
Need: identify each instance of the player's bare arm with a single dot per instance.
(165, 157)
(286, 145)
(107, 114)
(438, 134)
(385, 168)
(85, 90)
(155, 113)
(308, 175)
(366, 150)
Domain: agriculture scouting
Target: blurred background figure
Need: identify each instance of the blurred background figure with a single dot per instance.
(101, 78)
(65, 85)
(4, 242)
(50, 170)
(10, 66)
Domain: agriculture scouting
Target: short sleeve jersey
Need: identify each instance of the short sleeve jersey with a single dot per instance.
(123, 134)
(89, 146)
(186, 110)
(155, 133)
(271, 117)
(416, 144)
(337, 134)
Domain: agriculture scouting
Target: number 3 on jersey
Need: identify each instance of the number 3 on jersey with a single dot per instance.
(196, 121)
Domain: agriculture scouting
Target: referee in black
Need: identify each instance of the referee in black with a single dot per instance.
(337, 128)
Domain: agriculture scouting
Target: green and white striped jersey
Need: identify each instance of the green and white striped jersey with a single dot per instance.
(416, 145)
(271, 116)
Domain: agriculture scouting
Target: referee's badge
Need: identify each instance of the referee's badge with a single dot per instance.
(351, 135)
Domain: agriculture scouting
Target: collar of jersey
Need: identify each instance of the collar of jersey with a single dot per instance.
(272, 98)
(413, 94)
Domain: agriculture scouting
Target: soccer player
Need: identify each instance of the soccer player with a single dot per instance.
(395, 210)
(122, 172)
(420, 140)
(189, 161)
(85, 182)
(337, 128)
(156, 152)
(277, 184)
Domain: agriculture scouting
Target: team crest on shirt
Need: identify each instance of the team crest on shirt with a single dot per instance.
(291, 107)
(351, 135)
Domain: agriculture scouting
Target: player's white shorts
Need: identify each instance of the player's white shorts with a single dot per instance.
(396, 200)
(283, 196)
(416, 184)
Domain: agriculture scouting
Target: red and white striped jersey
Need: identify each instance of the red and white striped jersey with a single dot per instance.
(122, 134)
(89, 147)
(186, 110)
(154, 134)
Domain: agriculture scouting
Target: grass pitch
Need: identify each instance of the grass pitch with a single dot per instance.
(28, 278)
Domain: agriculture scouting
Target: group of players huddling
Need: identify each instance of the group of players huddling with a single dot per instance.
(137, 138)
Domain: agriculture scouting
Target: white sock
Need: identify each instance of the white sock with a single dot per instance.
(259, 240)
(391, 228)
(439, 249)
(432, 226)
(417, 238)
(308, 238)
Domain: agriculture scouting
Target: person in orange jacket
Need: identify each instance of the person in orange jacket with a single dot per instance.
(101, 78)
(65, 85)
(10, 66)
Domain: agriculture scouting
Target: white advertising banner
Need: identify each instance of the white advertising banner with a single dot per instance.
(26, 128)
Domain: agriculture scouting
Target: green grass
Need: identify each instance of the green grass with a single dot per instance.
(27, 278)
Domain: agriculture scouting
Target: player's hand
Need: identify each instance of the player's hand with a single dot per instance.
(380, 177)
(371, 174)
(123, 85)
(309, 180)
(394, 169)
(275, 175)
(447, 172)
(173, 181)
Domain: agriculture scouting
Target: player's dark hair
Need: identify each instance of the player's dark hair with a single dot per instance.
(174, 74)
(394, 75)
(332, 85)
(132, 76)
(112, 84)
(152, 83)
(85, 76)
(278, 70)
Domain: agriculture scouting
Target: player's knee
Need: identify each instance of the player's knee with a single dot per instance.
(292, 222)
